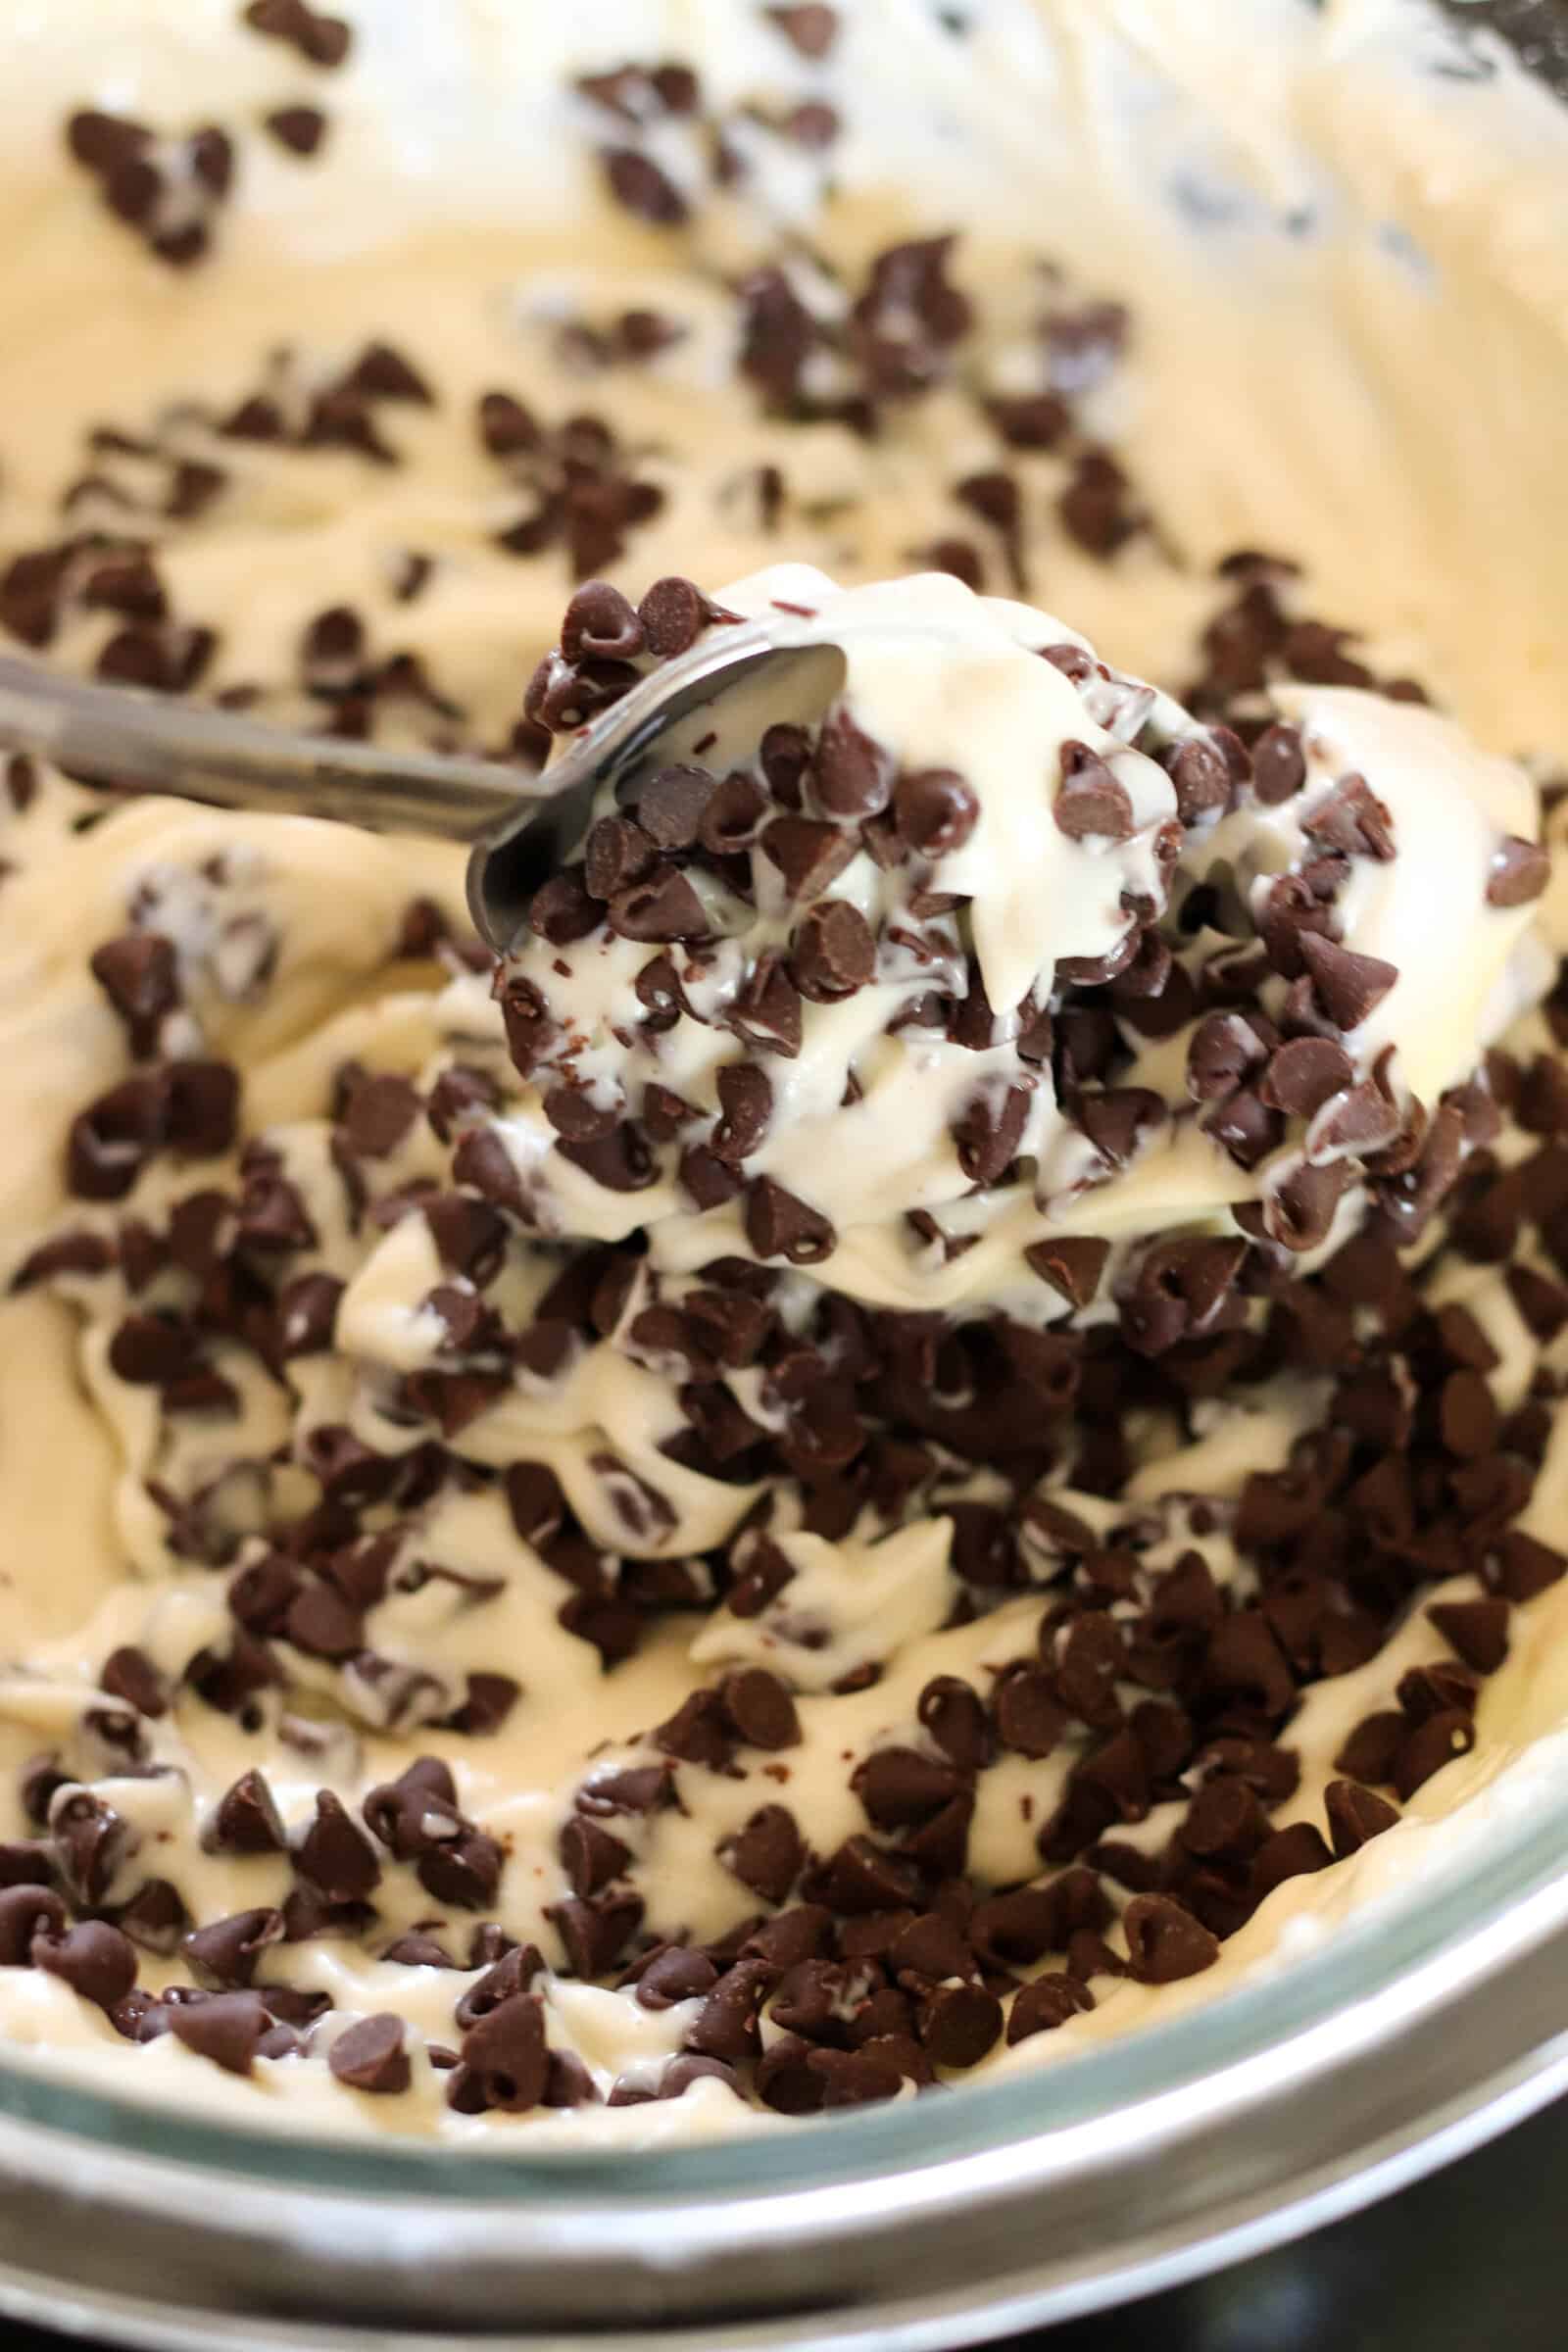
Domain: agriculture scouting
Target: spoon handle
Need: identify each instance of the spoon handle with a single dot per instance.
(112, 735)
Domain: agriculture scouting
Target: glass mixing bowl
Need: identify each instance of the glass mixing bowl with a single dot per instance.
(1434, 2018)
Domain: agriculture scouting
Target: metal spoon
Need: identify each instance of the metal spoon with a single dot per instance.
(522, 827)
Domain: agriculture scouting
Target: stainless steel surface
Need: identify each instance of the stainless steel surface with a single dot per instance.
(111, 735)
(528, 844)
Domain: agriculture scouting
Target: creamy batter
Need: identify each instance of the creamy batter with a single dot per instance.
(511, 1628)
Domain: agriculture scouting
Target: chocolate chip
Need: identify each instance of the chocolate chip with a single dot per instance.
(469, 1235)
(1116, 1120)
(246, 1820)
(647, 191)
(371, 2056)
(733, 815)
(761, 1708)
(27, 1913)
(934, 812)
(1352, 820)
(1356, 1816)
(91, 1840)
(851, 775)
(663, 908)
(745, 1101)
(780, 1225)
(671, 804)
(307, 1310)
(1302, 1074)
(811, 25)
(505, 2057)
(378, 1113)
(1201, 777)
(595, 1931)
(1024, 1708)
(223, 1955)
(1093, 505)
(335, 1855)
(1089, 803)
(1044, 2004)
(1448, 1733)
(989, 1131)
(832, 953)
(600, 623)
(766, 1853)
(766, 1010)
(1519, 872)
(1072, 1266)
(138, 973)
(620, 1161)
(1476, 1629)
(321, 40)
(1349, 985)
(129, 1674)
(225, 2028)
(958, 2024)
(810, 855)
(672, 613)
(97, 1961)
(299, 128)
(561, 911)
(1164, 1941)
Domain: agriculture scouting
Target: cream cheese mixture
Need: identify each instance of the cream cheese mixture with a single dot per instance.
(927, 1427)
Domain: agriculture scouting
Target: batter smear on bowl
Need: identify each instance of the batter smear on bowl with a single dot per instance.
(926, 1426)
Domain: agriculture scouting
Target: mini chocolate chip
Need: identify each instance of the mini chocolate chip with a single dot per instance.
(766, 1853)
(746, 1100)
(780, 1225)
(1349, 985)
(1279, 769)
(1519, 872)
(671, 804)
(1046, 2003)
(832, 953)
(1090, 803)
(299, 128)
(600, 623)
(224, 1954)
(1476, 1629)
(371, 2055)
(129, 1674)
(935, 812)
(335, 1855)
(637, 182)
(1201, 779)
(761, 1708)
(595, 1930)
(1072, 1266)
(26, 1913)
(1164, 1941)
(1302, 1074)
(851, 775)
(662, 907)
(810, 855)
(811, 25)
(225, 2028)
(1355, 1815)
(94, 1959)
(989, 1131)
(672, 614)
(246, 1819)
